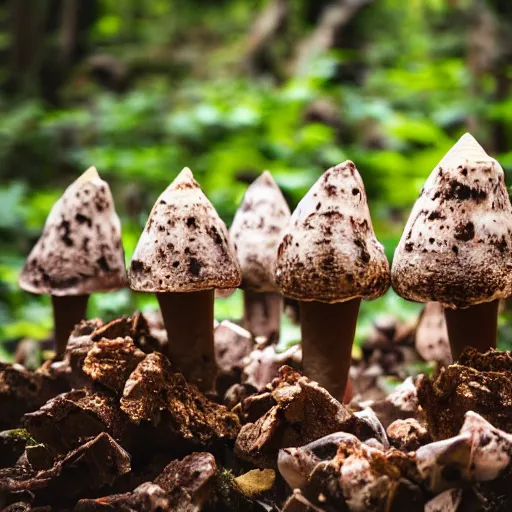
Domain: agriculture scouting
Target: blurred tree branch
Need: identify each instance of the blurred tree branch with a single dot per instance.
(328, 33)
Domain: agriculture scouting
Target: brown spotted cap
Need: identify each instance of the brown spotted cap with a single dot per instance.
(329, 252)
(257, 230)
(456, 246)
(184, 246)
(80, 250)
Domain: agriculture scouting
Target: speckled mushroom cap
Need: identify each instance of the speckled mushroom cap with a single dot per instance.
(256, 231)
(184, 246)
(329, 252)
(79, 251)
(456, 246)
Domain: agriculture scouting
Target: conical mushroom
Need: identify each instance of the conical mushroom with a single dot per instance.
(329, 259)
(183, 255)
(78, 253)
(456, 246)
(256, 231)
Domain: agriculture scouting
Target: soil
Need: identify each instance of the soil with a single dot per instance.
(113, 427)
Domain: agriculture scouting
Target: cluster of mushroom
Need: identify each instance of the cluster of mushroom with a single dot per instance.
(455, 250)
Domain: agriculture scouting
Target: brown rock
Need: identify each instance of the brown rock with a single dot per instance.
(237, 393)
(408, 435)
(111, 361)
(79, 344)
(195, 483)
(55, 375)
(65, 421)
(95, 465)
(148, 497)
(136, 327)
(189, 480)
(21, 391)
(303, 412)
(491, 361)
(254, 407)
(156, 395)
(39, 457)
(477, 382)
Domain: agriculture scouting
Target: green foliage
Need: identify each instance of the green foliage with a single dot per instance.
(228, 127)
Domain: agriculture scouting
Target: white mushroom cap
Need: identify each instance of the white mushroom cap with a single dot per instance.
(447, 501)
(456, 246)
(480, 452)
(256, 231)
(329, 252)
(80, 250)
(492, 447)
(184, 246)
(432, 341)
(453, 453)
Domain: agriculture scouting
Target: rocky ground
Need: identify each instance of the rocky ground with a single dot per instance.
(112, 427)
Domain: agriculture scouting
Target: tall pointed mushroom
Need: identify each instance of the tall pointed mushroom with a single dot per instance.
(256, 231)
(329, 259)
(183, 255)
(78, 253)
(456, 246)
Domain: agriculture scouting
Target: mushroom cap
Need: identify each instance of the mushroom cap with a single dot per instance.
(185, 245)
(256, 231)
(329, 252)
(456, 246)
(80, 249)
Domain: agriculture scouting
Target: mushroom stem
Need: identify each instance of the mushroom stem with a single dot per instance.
(475, 326)
(67, 312)
(327, 336)
(262, 313)
(188, 319)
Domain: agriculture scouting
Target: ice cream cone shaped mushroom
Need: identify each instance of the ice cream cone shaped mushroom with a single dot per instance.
(78, 253)
(256, 231)
(456, 246)
(329, 259)
(183, 255)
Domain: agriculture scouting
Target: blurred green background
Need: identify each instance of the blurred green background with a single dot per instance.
(142, 88)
